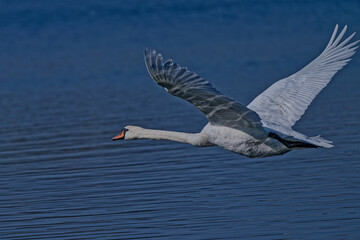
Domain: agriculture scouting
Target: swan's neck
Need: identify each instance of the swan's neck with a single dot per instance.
(190, 138)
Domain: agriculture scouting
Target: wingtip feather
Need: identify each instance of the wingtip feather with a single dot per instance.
(333, 35)
(339, 37)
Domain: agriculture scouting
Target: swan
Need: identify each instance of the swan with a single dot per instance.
(264, 127)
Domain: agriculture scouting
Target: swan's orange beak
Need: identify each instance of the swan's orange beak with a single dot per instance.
(121, 135)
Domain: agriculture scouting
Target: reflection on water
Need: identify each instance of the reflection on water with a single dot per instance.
(73, 76)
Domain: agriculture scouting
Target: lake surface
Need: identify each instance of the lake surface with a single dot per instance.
(73, 75)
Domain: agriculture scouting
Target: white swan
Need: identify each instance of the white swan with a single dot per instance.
(261, 129)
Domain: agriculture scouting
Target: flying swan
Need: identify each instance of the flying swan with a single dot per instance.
(264, 127)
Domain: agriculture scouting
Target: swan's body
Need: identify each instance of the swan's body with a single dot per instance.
(264, 127)
(225, 137)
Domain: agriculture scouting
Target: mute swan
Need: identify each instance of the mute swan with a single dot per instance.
(264, 127)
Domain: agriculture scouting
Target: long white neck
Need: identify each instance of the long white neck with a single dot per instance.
(190, 138)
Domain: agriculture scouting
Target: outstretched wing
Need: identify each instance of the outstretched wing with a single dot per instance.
(180, 82)
(285, 101)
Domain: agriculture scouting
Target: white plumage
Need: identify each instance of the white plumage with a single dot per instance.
(264, 127)
(286, 100)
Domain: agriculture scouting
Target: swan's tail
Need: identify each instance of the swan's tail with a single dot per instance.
(321, 142)
(312, 142)
(293, 139)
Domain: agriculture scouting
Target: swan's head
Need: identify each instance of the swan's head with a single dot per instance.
(128, 132)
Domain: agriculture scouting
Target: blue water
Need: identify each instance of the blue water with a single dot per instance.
(72, 75)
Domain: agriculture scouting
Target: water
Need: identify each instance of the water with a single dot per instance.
(72, 75)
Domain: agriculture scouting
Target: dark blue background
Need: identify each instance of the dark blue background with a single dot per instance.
(72, 75)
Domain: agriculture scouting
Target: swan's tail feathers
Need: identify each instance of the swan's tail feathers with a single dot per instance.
(297, 143)
(321, 142)
(293, 143)
(294, 139)
(288, 135)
